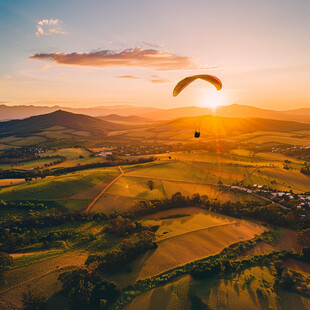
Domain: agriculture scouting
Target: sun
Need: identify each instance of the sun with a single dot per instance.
(212, 99)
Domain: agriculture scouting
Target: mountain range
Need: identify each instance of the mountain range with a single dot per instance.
(67, 123)
(234, 110)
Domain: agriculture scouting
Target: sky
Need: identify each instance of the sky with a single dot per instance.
(112, 52)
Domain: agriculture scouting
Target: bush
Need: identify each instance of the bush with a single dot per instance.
(34, 300)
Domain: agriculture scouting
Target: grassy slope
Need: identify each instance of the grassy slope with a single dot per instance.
(251, 289)
(59, 187)
(185, 239)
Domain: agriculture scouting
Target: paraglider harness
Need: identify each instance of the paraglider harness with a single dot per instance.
(197, 133)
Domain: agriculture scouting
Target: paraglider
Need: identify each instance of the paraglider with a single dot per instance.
(185, 82)
(197, 133)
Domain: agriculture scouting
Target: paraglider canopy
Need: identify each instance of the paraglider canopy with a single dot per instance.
(185, 82)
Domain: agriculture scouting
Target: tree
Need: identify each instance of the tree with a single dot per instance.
(150, 184)
(34, 300)
(84, 288)
(304, 237)
(5, 261)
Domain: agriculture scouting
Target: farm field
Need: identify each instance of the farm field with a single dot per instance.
(213, 192)
(177, 171)
(74, 156)
(69, 153)
(28, 165)
(59, 187)
(22, 141)
(9, 182)
(187, 238)
(109, 203)
(135, 187)
(216, 158)
(116, 199)
(280, 139)
(280, 179)
(228, 174)
(286, 240)
(41, 276)
(250, 289)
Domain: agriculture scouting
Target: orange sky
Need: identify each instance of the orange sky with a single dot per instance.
(106, 53)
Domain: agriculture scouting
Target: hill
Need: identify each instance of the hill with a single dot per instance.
(37, 124)
(125, 119)
(181, 129)
(234, 110)
(150, 113)
(24, 111)
(229, 125)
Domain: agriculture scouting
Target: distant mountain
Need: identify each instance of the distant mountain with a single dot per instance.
(114, 113)
(234, 110)
(24, 111)
(228, 126)
(125, 119)
(302, 111)
(78, 122)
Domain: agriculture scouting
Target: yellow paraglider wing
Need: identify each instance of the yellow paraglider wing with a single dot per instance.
(185, 82)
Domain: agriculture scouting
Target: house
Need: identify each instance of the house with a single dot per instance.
(104, 154)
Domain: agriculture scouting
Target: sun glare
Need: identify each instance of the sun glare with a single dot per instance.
(212, 99)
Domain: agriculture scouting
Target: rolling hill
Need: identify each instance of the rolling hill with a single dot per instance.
(181, 129)
(62, 124)
(125, 119)
(37, 124)
(228, 125)
(24, 111)
(134, 112)
(234, 110)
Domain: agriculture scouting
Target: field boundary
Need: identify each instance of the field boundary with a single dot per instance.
(104, 190)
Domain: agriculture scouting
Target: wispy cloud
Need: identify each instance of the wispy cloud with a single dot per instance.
(7, 77)
(158, 80)
(45, 67)
(128, 77)
(47, 27)
(134, 57)
(152, 79)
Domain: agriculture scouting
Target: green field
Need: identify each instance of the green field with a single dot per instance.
(28, 165)
(177, 171)
(59, 187)
(69, 153)
(137, 188)
(280, 179)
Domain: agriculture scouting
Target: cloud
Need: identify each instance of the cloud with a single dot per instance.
(133, 57)
(47, 27)
(7, 77)
(158, 80)
(128, 77)
(45, 67)
(152, 79)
